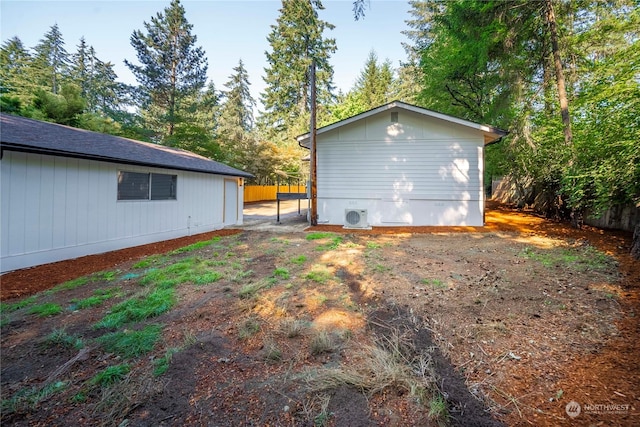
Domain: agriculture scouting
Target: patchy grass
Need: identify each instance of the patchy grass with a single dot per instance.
(46, 309)
(434, 283)
(241, 275)
(27, 399)
(195, 246)
(60, 337)
(299, 260)
(251, 289)
(99, 296)
(161, 365)
(151, 261)
(373, 245)
(438, 410)
(139, 308)
(322, 342)
(319, 235)
(14, 306)
(110, 375)
(319, 274)
(68, 285)
(281, 273)
(206, 278)
(191, 269)
(248, 328)
(292, 328)
(390, 363)
(581, 258)
(106, 276)
(333, 242)
(271, 350)
(129, 344)
(301, 314)
(380, 268)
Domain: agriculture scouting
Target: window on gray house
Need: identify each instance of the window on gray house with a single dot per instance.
(163, 187)
(145, 186)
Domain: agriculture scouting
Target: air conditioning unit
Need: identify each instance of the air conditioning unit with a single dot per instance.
(355, 218)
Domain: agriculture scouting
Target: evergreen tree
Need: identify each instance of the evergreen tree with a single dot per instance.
(236, 117)
(14, 82)
(237, 135)
(106, 94)
(82, 66)
(410, 74)
(51, 60)
(295, 41)
(172, 71)
(374, 86)
(198, 132)
(64, 107)
(97, 81)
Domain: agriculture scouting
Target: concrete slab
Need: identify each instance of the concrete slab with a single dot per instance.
(262, 216)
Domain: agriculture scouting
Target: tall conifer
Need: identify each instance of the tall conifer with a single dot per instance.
(295, 40)
(172, 70)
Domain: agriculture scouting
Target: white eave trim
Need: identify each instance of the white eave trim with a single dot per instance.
(492, 134)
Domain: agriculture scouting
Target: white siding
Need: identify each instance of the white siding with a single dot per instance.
(419, 171)
(56, 208)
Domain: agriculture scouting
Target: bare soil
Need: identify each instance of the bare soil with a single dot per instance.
(513, 321)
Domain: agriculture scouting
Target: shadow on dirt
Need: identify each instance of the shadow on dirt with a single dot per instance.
(388, 319)
(464, 409)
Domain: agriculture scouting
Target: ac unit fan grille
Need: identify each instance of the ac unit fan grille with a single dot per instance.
(353, 217)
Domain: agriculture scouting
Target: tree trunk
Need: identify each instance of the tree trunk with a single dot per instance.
(635, 246)
(560, 82)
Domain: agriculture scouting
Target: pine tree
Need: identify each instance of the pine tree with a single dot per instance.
(197, 133)
(374, 86)
(295, 41)
(82, 66)
(97, 81)
(236, 117)
(410, 74)
(236, 131)
(172, 71)
(14, 67)
(51, 60)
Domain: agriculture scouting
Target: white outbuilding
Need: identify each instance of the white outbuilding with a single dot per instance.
(401, 165)
(68, 192)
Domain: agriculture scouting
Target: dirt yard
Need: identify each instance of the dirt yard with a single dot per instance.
(522, 322)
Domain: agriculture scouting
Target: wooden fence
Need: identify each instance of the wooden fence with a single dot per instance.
(261, 193)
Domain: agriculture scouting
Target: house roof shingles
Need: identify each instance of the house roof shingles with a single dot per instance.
(34, 136)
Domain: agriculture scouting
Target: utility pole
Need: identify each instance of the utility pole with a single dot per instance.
(313, 217)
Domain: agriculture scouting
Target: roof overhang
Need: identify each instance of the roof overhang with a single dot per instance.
(60, 153)
(491, 134)
(21, 134)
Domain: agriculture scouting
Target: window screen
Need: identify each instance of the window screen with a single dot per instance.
(133, 186)
(163, 187)
(145, 186)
